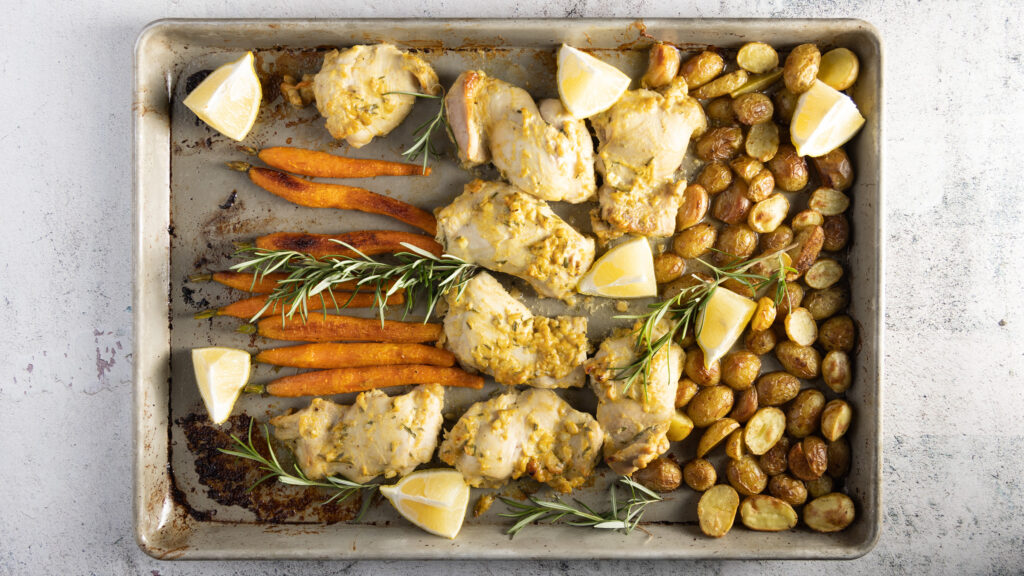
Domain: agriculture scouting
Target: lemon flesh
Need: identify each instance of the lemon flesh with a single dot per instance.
(229, 98)
(625, 271)
(221, 373)
(433, 500)
(824, 119)
(587, 85)
(721, 322)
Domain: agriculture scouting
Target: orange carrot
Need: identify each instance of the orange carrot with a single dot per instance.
(335, 328)
(336, 355)
(343, 380)
(368, 242)
(323, 165)
(320, 195)
(266, 283)
(250, 307)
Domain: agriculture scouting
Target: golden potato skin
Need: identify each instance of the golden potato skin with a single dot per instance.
(715, 177)
(722, 85)
(746, 167)
(826, 303)
(745, 405)
(801, 68)
(838, 333)
(735, 242)
(791, 300)
(693, 208)
(798, 465)
(695, 241)
(837, 371)
(668, 267)
(816, 453)
(685, 392)
(762, 141)
(720, 143)
(732, 206)
(752, 108)
(710, 404)
(719, 111)
(760, 341)
(757, 57)
(695, 370)
(834, 170)
(746, 476)
(761, 186)
(777, 239)
(777, 388)
(776, 460)
(837, 232)
(836, 419)
(820, 486)
(785, 105)
(808, 245)
(701, 69)
(788, 489)
(661, 475)
(699, 474)
(789, 169)
(804, 413)
(800, 361)
(829, 513)
(740, 369)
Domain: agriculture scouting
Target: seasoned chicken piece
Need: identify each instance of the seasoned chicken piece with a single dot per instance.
(376, 435)
(662, 66)
(532, 432)
(640, 211)
(350, 89)
(635, 420)
(543, 151)
(501, 228)
(644, 136)
(487, 329)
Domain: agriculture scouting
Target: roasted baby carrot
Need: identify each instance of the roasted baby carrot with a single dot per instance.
(343, 380)
(335, 328)
(266, 283)
(248, 309)
(368, 242)
(351, 355)
(322, 195)
(323, 165)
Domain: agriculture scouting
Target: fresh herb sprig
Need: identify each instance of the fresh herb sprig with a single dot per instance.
(343, 489)
(683, 310)
(623, 516)
(421, 274)
(424, 134)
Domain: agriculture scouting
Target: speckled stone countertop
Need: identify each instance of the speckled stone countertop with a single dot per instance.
(954, 436)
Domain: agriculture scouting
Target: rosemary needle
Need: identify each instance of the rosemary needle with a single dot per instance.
(424, 143)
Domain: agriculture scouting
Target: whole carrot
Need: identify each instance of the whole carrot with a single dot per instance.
(337, 328)
(323, 165)
(368, 242)
(248, 308)
(351, 355)
(264, 284)
(344, 380)
(321, 195)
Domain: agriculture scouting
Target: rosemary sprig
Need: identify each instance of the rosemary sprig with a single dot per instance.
(623, 515)
(421, 274)
(424, 143)
(343, 489)
(683, 310)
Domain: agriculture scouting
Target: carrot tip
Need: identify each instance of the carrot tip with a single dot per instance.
(246, 329)
(239, 166)
(200, 278)
(210, 313)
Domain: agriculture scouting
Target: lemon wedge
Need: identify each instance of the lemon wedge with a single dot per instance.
(625, 271)
(434, 500)
(587, 85)
(221, 373)
(229, 98)
(824, 119)
(721, 322)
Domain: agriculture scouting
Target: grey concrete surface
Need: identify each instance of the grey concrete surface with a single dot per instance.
(954, 448)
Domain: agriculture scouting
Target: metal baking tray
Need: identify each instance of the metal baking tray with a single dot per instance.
(189, 209)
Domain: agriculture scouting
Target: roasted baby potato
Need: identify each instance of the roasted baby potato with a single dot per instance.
(695, 241)
(716, 434)
(685, 392)
(696, 371)
(661, 475)
(838, 333)
(668, 267)
(801, 69)
(823, 273)
(736, 242)
(764, 429)
(760, 341)
(804, 414)
(752, 108)
(716, 510)
(746, 476)
(764, 316)
(789, 169)
(757, 57)
(719, 111)
(800, 361)
(826, 303)
(829, 513)
(828, 202)
(701, 69)
(721, 86)
(836, 419)
(785, 105)
(838, 458)
(699, 474)
(837, 233)
(720, 143)
(732, 206)
(679, 427)
(761, 186)
(837, 371)
(767, 513)
(834, 170)
(775, 460)
(839, 68)
(788, 489)
(777, 239)
(746, 167)
(745, 406)
(762, 141)
(710, 404)
(740, 369)
(693, 207)
(715, 177)
(777, 388)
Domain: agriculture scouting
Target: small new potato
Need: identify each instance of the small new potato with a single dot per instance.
(834, 169)
(760, 341)
(823, 273)
(808, 245)
(761, 186)
(673, 289)
(804, 413)
(719, 111)
(695, 241)
(662, 65)
(762, 141)
(826, 303)
(800, 326)
(699, 474)
(776, 460)
(764, 429)
(685, 392)
(757, 57)
(745, 406)
(828, 202)
(798, 465)
(767, 514)
(696, 371)
(716, 510)
(715, 177)
(661, 475)
(767, 215)
(800, 361)
(836, 419)
(735, 242)
(735, 285)
(746, 167)
(839, 68)
(837, 233)
(764, 317)
(734, 446)
(716, 434)
(693, 207)
(789, 169)
(785, 105)
(806, 219)
(788, 489)
(829, 513)
(752, 108)
(801, 68)
(777, 239)
(838, 458)
(720, 143)
(838, 333)
(721, 86)
(740, 369)
(701, 69)
(746, 476)
(816, 453)
(791, 299)
(710, 404)
(732, 206)
(777, 388)
(679, 427)
(668, 267)
(820, 486)
(837, 371)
